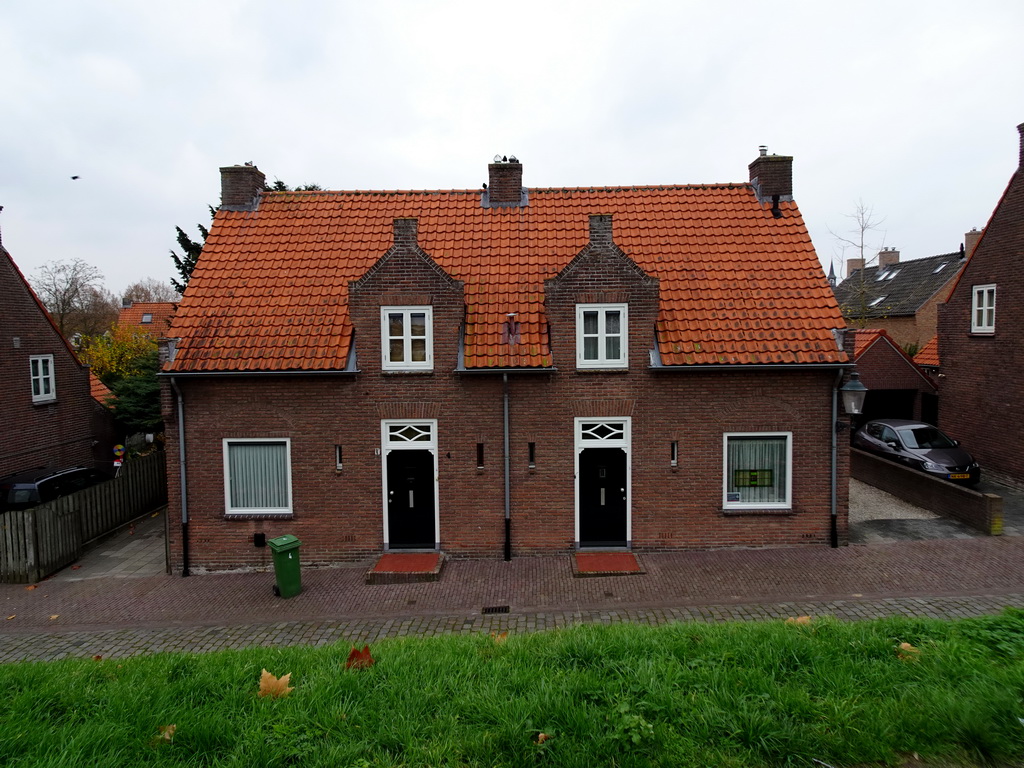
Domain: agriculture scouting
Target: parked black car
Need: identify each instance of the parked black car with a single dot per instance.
(920, 446)
(36, 486)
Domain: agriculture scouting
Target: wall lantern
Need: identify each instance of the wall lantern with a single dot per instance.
(853, 395)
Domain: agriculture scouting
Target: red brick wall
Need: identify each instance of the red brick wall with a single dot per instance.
(981, 398)
(54, 434)
(338, 515)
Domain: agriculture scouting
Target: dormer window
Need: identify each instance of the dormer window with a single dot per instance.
(407, 338)
(601, 338)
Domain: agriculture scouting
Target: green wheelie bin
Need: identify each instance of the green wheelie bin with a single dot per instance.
(286, 565)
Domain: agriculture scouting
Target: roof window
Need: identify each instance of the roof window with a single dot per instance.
(877, 301)
(147, 318)
(939, 268)
(891, 274)
(882, 274)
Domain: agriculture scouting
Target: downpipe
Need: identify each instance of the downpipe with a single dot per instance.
(183, 478)
(834, 518)
(508, 484)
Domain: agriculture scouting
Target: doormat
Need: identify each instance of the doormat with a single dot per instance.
(605, 564)
(406, 568)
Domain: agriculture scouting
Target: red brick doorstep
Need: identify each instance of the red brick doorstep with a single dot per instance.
(605, 564)
(406, 568)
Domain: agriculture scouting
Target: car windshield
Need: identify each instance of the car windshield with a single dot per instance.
(925, 437)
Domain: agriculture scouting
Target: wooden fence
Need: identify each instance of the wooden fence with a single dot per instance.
(39, 541)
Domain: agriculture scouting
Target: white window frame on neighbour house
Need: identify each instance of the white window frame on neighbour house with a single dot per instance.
(749, 495)
(262, 497)
(406, 339)
(592, 344)
(44, 383)
(983, 308)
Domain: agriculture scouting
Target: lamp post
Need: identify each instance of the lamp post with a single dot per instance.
(853, 395)
(853, 403)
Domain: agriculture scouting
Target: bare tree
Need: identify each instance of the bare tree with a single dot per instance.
(858, 244)
(68, 289)
(150, 289)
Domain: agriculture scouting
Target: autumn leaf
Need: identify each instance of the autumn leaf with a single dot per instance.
(54, 616)
(359, 659)
(499, 638)
(802, 620)
(541, 738)
(30, 587)
(907, 652)
(97, 657)
(167, 732)
(11, 616)
(273, 686)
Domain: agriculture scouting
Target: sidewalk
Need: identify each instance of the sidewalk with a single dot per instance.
(113, 617)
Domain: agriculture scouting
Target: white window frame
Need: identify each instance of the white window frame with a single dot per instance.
(786, 503)
(983, 312)
(602, 361)
(385, 339)
(42, 378)
(621, 436)
(390, 440)
(230, 510)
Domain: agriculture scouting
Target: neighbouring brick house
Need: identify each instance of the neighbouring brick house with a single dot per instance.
(900, 297)
(349, 367)
(49, 415)
(981, 398)
(152, 317)
(897, 387)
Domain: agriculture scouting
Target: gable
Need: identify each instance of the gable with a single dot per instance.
(738, 284)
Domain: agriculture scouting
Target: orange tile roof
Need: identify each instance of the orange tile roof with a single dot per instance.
(160, 313)
(863, 338)
(99, 391)
(737, 286)
(929, 354)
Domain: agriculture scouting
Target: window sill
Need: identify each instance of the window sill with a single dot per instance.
(602, 370)
(407, 372)
(981, 334)
(259, 516)
(757, 512)
(51, 401)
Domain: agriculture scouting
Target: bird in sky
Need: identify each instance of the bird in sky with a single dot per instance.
(75, 178)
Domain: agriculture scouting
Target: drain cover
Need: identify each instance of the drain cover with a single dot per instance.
(495, 609)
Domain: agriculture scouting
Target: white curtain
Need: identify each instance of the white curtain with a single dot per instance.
(757, 470)
(258, 475)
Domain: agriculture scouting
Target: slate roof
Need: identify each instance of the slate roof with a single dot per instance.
(899, 290)
(737, 285)
(159, 312)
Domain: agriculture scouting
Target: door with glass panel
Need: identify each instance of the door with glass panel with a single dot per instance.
(410, 485)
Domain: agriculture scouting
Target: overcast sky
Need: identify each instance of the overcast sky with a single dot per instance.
(908, 107)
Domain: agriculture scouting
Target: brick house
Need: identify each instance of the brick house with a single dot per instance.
(50, 417)
(900, 297)
(507, 370)
(897, 387)
(978, 340)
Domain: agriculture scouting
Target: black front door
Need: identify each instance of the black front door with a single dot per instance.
(411, 500)
(602, 496)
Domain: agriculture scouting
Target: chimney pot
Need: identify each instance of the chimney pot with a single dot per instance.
(887, 257)
(1020, 130)
(772, 175)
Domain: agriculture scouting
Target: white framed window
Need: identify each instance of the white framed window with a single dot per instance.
(983, 309)
(44, 385)
(407, 341)
(601, 336)
(257, 476)
(757, 470)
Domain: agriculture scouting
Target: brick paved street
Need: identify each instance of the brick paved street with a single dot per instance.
(110, 617)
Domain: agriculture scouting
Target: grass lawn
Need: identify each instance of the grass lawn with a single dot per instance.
(753, 694)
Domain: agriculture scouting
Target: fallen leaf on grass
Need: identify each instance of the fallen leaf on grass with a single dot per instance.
(907, 652)
(541, 738)
(359, 659)
(30, 587)
(499, 638)
(167, 732)
(803, 620)
(273, 686)
(97, 657)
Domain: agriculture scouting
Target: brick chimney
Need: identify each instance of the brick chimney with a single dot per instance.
(505, 182)
(239, 187)
(887, 257)
(854, 265)
(971, 240)
(1020, 130)
(772, 177)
